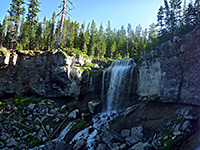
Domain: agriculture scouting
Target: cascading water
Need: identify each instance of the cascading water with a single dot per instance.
(117, 78)
(116, 86)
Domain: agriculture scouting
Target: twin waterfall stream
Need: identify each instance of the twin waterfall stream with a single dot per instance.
(116, 87)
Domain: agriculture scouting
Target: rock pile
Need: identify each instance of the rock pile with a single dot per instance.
(26, 127)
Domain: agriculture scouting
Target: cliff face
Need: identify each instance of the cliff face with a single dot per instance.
(172, 71)
(47, 75)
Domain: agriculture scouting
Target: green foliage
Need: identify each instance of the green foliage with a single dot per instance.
(19, 47)
(79, 125)
(3, 52)
(169, 143)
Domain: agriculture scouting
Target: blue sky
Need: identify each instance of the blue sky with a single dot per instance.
(119, 12)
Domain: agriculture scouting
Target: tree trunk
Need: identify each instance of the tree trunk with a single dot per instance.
(61, 22)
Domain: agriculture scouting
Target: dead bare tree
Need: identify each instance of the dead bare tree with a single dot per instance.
(66, 6)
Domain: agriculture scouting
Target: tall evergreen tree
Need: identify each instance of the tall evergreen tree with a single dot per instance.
(101, 43)
(108, 39)
(16, 10)
(52, 31)
(160, 19)
(1, 35)
(33, 10)
(82, 38)
(92, 44)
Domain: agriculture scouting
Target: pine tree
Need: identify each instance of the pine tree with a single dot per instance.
(52, 31)
(108, 39)
(76, 36)
(101, 43)
(167, 15)
(92, 44)
(1, 35)
(16, 10)
(130, 39)
(152, 36)
(190, 16)
(9, 33)
(38, 37)
(33, 10)
(82, 38)
(160, 19)
(4, 30)
(175, 15)
(197, 11)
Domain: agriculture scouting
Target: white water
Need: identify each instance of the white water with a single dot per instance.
(60, 137)
(119, 75)
(116, 75)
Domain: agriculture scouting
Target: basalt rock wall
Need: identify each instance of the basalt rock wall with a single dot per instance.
(172, 70)
(49, 75)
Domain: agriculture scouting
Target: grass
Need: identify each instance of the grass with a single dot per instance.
(170, 143)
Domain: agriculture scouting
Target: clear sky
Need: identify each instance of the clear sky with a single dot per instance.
(119, 12)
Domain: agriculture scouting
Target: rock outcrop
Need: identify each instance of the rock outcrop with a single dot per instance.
(49, 75)
(171, 70)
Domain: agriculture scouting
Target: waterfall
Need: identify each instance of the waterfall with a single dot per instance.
(116, 86)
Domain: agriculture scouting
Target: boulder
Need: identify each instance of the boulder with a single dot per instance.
(125, 133)
(31, 106)
(140, 146)
(132, 140)
(137, 132)
(49, 146)
(74, 114)
(95, 106)
(101, 147)
(11, 142)
(185, 125)
(62, 145)
(79, 145)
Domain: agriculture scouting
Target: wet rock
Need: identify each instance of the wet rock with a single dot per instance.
(47, 127)
(11, 142)
(31, 106)
(140, 146)
(61, 116)
(49, 146)
(132, 140)
(79, 145)
(185, 125)
(108, 137)
(95, 106)
(1, 144)
(137, 130)
(37, 120)
(86, 116)
(3, 137)
(62, 145)
(101, 147)
(56, 119)
(74, 114)
(176, 133)
(37, 127)
(125, 133)
(63, 108)
(123, 146)
(54, 111)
